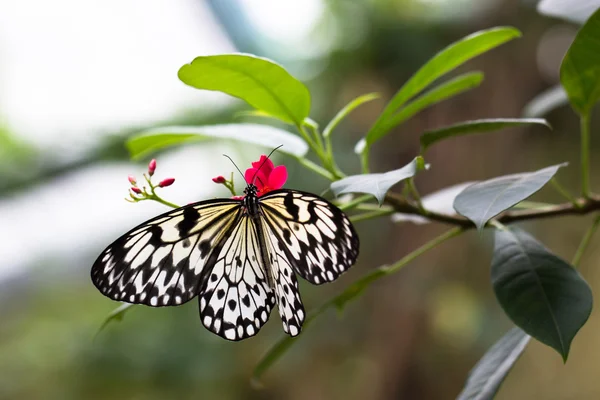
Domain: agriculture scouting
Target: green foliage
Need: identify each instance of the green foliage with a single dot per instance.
(150, 141)
(482, 201)
(542, 294)
(476, 126)
(445, 61)
(261, 83)
(489, 373)
(580, 69)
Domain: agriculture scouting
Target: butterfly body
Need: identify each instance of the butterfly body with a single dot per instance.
(239, 257)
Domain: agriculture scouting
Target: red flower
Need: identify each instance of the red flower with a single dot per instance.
(151, 167)
(265, 176)
(219, 179)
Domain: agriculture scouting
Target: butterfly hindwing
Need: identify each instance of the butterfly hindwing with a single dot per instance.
(317, 237)
(236, 299)
(161, 262)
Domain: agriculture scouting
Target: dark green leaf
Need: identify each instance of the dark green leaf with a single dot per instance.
(262, 83)
(439, 93)
(580, 69)
(375, 184)
(484, 200)
(476, 126)
(541, 293)
(545, 102)
(156, 139)
(445, 61)
(489, 373)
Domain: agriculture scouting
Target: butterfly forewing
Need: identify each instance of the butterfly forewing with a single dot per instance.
(236, 298)
(317, 237)
(161, 262)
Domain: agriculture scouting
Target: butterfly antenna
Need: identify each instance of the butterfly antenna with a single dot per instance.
(236, 167)
(263, 163)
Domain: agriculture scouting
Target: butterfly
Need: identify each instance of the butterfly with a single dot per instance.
(239, 256)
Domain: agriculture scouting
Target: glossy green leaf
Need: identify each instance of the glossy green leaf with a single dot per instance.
(489, 373)
(156, 139)
(545, 102)
(541, 293)
(348, 108)
(482, 201)
(116, 315)
(376, 184)
(580, 69)
(445, 61)
(476, 126)
(262, 83)
(444, 91)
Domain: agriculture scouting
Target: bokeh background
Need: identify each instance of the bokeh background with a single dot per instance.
(77, 78)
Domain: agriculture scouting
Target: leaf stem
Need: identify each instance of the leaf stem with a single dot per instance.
(355, 202)
(316, 168)
(410, 184)
(585, 241)
(370, 215)
(564, 192)
(585, 155)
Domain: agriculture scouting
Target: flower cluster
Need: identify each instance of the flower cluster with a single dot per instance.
(136, 193)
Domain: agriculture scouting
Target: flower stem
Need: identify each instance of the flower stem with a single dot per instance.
(370, 215)
(355, 202)
(316, 168)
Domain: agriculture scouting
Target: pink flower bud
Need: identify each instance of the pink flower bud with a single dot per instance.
(166, 182)
(151, 167)
(136, 190)
(132, 180)
(219, 179)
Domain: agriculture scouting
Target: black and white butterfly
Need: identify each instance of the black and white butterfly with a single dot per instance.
(239, 257)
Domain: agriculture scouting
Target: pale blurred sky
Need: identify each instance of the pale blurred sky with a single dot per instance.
(71, 71)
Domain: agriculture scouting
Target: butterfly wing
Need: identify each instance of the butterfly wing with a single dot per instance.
(236, 299)
(162, 261)
(317, 237)
(284, 283)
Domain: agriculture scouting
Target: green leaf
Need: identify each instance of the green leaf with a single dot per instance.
(489, 373)
(262, 83)
(482, 201)
(116, 315)
(343, 113)
(440, 93)
(375, 184)
(156, 139)
(545, 102)
(476, 126)
(445, 61)
(580, 69)
(541, 293)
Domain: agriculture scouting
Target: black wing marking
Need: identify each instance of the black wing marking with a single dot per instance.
(317, 237)
(236, 299)
(161, 262)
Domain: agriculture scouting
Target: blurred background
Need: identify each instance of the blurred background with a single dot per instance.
(77, 78)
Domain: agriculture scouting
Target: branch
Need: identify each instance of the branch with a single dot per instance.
(584, 206)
